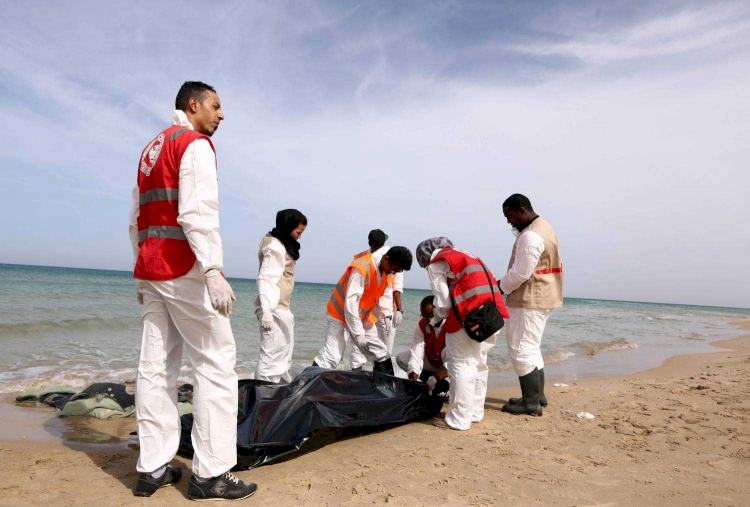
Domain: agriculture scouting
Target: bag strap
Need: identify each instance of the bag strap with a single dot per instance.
(492, 290)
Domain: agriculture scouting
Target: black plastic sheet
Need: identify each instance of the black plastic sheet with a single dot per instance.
(275, 421)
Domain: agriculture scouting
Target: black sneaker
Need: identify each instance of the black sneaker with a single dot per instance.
(223, 487)
(147, 485)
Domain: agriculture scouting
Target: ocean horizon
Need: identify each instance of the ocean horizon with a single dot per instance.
(77, 326)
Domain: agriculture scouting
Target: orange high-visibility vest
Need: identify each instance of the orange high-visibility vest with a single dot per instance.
(373, 290)
(391, 277)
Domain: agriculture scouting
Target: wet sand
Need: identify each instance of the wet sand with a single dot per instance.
(678, 434)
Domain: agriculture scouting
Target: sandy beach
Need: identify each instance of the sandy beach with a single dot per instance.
(674, 435)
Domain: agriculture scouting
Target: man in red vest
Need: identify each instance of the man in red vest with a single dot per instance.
(174, 229)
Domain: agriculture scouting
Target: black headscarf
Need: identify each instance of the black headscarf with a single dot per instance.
(286, 221)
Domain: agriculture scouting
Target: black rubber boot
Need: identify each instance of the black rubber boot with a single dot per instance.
(542, 397)
(531, 389)
(384, 366)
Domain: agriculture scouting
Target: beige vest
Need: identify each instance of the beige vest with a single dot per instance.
(286, 283)
(545, 287)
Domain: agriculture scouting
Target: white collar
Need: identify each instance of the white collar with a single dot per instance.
(181, 119)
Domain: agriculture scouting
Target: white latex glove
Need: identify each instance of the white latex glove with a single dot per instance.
(138, 291)
(266, 321)
(431, 384)
(435, 321)
(219, 292)
(361, 341)
(397, 316)
(388, 325)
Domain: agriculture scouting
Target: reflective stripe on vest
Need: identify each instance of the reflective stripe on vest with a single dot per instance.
(549, 271)
(161, 231)
(164, 252)
(337, 303)
(483, 289)
(159, 194)
(176, 134)
(470, 288)
(469, 269)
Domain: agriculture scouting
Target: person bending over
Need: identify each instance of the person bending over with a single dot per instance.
(390, 314)
(461, 284)
(353, 304)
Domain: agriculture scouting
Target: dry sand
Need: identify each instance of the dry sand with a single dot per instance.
(675, 435)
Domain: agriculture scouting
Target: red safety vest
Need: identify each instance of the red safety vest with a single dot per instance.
(164, 253)
(470, 288)
(433, 344)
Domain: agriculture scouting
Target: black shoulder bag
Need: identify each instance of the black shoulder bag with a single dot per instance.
(482, 322)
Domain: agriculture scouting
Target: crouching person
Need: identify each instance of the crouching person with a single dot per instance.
(353, 305)
(424, 359)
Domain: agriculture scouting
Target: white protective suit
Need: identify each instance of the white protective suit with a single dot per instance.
(524, 328)
(178, 313)
(336, 331)
(384, 325)
(465, 359)
(414, 360)
(277, 345)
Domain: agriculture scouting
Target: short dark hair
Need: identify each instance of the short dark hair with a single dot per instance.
(377, 238)
(428, 300)
(190, 89)
(518, 201)
(401, 256)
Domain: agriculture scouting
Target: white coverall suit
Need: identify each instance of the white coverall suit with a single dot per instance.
(384, 325)
(524, 328)
(277, 345)
(338, 333)
(465, 359)
(178, 313)
(414, 360)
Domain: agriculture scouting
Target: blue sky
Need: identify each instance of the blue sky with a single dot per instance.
(625, 123)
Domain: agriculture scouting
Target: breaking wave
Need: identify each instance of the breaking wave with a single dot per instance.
(70, 325)
(593, 348)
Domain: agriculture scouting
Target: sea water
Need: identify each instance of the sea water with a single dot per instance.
(78, 326)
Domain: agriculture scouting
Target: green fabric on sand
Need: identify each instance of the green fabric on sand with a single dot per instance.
(107, 408)
(35, 394)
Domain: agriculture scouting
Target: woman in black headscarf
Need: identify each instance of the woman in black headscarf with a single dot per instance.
(277, 255)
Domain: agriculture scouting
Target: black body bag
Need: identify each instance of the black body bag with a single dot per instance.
(482, 322)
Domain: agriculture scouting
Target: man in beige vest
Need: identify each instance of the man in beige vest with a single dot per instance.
(534, 287)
